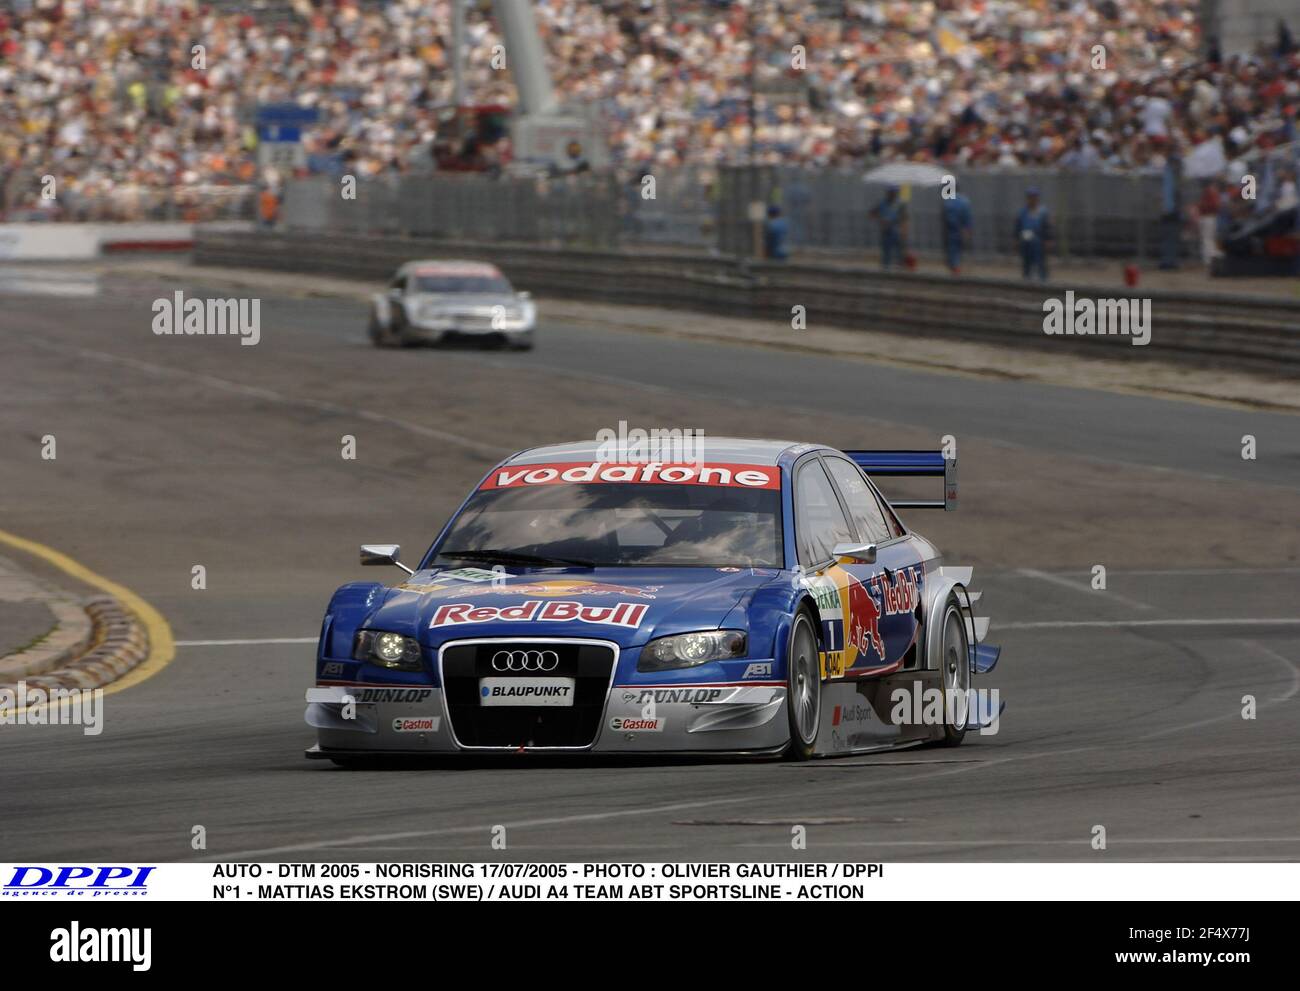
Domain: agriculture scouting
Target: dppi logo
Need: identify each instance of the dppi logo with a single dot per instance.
(99, 882)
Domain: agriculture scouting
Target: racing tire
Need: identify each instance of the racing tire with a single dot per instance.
(955, 673)
(803, 687)
(380, 336)
(397, 326)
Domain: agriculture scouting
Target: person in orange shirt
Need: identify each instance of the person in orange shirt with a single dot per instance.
(268, 207)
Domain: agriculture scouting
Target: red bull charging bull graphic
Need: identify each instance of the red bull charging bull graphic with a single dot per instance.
(863, 621)
(851, 613)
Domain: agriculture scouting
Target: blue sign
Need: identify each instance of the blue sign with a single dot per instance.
(285, 114)
(278, 132)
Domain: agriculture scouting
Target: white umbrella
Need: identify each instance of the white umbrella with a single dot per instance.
(1206, 160)
(907, 174)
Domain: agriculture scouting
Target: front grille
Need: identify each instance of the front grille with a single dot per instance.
(589, 664)
(471, 319)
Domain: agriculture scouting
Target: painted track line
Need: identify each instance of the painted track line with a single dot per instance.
(1084, 587)
(272, 396)
(1068, 624)
(383, 838)
(1295, 671)
(454, 830)
(1233, 712)
(1179, 572)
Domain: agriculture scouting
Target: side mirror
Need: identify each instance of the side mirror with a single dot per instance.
(866, 553)
(372, 554)
(523, 296)
(395, 293)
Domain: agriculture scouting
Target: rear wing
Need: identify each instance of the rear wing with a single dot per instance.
(929, 463)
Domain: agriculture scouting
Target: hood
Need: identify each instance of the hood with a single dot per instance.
(626, 605)
(463, 300)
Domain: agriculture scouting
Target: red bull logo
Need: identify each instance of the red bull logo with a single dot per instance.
(902, 594)
(628, 614)
(863, 620)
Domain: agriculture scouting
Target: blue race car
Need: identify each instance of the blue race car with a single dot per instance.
(760, 599)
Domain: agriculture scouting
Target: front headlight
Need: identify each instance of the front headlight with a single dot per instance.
(686, 650)
(388, 650)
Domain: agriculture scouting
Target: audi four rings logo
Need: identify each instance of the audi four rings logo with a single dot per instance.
(525, 660)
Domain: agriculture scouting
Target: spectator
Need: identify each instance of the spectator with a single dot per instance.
(1171, 210)
(775, 231)
(268, 207)
(1232, 212)
(1034, 235)
(1287, 196)
(1287, 204)
(1207, 220)
(574, 161)
(1083, 157)
(957, 223)
(104, 90)
(1156, 111)
(891, 214)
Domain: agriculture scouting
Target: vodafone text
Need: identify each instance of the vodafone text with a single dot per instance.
(656, 472)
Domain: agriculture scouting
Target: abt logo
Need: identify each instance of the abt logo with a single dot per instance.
(98, 882)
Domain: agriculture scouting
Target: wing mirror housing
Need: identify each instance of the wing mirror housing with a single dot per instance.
(866, 553)
(374, 554)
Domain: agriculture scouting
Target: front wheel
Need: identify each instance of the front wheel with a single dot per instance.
(380, 336)
(803, 688)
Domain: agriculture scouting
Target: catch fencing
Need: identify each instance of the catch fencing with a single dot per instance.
(1094, 214)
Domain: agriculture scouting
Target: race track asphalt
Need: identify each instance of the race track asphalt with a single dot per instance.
(1123, 705)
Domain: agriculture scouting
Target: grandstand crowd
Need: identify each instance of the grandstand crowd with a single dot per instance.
(105, 95)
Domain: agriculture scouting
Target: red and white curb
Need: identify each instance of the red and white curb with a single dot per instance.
(118, 642)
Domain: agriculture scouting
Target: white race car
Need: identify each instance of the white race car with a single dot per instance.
(431, 301)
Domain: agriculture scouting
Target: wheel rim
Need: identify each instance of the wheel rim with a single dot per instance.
(956, 670)
(805, 682)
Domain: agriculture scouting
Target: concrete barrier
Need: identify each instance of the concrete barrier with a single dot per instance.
(1203, 328)
(81, 242)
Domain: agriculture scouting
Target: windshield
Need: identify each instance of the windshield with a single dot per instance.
(485, 284)
(628, 524)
